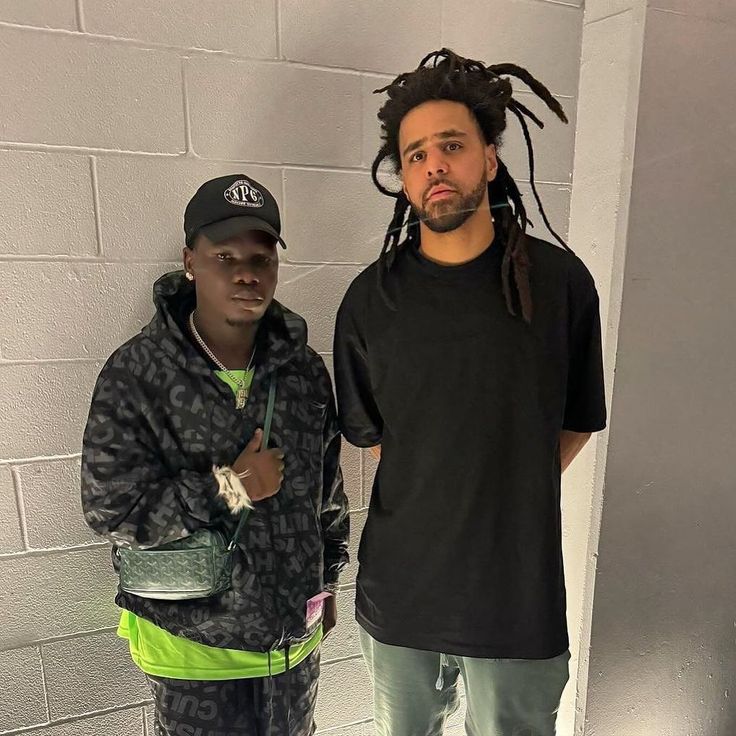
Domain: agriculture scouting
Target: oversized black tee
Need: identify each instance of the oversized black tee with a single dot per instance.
(462, 548)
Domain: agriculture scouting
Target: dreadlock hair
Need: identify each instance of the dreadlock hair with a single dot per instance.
(444, 75)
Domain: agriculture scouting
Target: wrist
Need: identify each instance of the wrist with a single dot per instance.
(231, 489)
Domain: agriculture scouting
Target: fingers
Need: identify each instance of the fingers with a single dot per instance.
(254, 444)
(282, 466)
(269, 467)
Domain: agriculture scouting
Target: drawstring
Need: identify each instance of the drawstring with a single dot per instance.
(440, 684)
(270, 697)
(287, 685)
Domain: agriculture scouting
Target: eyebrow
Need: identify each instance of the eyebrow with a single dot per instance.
(442, 135)
(257, 249)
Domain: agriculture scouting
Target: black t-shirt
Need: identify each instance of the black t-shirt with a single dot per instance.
(462, 549)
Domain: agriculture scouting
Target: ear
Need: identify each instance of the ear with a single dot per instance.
(187, 257)
(491, 162)
(403, 183)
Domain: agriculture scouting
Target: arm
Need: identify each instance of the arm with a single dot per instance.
(129, 496)
(335, 519)
(360, 420)
(334, 512)
(585, 405)
(571, 443)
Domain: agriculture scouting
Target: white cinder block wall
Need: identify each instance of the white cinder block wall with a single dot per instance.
(112, 113)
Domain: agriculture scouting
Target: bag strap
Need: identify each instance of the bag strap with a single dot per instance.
(264, 446)
(269, 412)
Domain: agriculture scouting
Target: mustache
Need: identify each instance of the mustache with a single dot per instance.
(436, 183)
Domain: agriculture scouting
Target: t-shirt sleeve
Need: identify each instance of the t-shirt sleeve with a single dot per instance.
(358, 416)
(585, 404)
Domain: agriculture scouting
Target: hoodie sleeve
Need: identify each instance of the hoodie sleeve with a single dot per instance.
(360, 419)
(334, 515)
(129, 495)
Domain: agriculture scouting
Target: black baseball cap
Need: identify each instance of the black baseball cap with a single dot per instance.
(230, 205)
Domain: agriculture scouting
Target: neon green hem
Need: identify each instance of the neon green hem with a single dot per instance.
(162, 654)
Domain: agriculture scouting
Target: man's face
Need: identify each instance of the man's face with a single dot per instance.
(445, 163)
(236, 278)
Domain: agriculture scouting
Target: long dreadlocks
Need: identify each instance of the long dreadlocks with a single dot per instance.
(444, 75)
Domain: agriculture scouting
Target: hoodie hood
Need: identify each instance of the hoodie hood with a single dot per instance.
(282, 334)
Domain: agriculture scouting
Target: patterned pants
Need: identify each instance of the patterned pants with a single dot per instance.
(279, 706)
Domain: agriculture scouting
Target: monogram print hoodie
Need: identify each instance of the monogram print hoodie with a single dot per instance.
(158, 422)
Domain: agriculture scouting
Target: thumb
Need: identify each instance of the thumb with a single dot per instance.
(254, 445)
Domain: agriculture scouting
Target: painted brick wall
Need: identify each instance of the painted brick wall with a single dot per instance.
(113, 112)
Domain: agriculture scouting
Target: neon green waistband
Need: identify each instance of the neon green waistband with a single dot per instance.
(162, 654)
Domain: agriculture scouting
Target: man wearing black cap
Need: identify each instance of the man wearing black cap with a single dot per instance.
(173, 445)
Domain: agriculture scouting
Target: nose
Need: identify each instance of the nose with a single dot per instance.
(436, 164)
(243, 273)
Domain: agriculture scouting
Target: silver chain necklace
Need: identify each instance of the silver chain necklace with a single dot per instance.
(242, 393)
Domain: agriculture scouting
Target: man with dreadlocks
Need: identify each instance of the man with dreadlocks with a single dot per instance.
(469, 357)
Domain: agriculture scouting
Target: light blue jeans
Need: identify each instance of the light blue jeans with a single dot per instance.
(415, 691)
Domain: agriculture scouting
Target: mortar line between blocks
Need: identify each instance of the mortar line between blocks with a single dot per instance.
(338, 660)
(325, 263)
(63, 637)
(79, 7)
(76, 718)
(40, 459)
(333, 729)
(283, 198)
(156, 46)
(607, 17)
(187, 118)
(139, 43)
(48, 551)
(561, 2)
(21, 508)
(97, 260)
(225, 54)
(43, 683)
(361, 465)
(65, 148)
(277, 12)
(361, 122)
(96, 203)
(360, 169)
(682, 13)
(47, 361)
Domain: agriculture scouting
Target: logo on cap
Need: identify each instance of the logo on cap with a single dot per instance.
(244, 194)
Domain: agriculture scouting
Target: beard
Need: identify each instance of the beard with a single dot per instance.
(445, 216)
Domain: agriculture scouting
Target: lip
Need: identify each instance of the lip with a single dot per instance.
(439, 192)
(247, 299)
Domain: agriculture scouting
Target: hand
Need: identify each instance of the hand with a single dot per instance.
(329, 618)
(265, 468)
